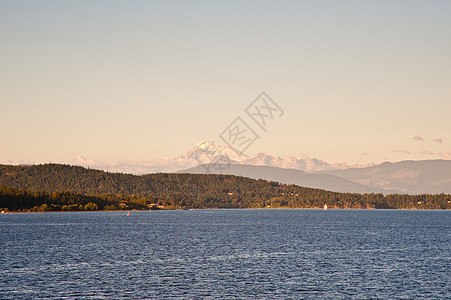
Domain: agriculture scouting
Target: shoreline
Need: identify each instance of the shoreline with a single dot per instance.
(229, 208)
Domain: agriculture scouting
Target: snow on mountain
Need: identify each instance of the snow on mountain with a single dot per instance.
(263, 159)
(290, 162)
(413, 177)
(207, 152)
(204, 152)
(210, 153)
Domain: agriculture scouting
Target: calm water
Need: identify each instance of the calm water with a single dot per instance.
(253, 254)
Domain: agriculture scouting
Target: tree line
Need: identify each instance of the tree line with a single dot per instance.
(56, 187)
(13, 199)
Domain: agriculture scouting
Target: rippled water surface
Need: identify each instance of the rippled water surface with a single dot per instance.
(221, 254)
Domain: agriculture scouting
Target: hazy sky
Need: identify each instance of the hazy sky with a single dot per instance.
(358, 81)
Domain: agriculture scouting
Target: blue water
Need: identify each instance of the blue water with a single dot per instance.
(227, 254)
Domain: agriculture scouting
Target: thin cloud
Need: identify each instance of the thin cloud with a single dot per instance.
(133, 166)
(363, 154)
(417, 138)
(14, 162)
(438, 140)
(445, 155)
(401, 151)
(428, 153)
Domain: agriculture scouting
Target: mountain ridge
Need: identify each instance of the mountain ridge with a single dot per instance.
(207, 152)
(56, 187)
(405, 177)
(204, 152)
(409, 176)
(287, 176)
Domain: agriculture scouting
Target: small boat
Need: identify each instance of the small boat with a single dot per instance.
(128, 214)
(325, 206)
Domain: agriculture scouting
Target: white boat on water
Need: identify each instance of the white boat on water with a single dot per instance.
(325, 206)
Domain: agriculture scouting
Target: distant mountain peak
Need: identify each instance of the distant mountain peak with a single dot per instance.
(204, 145)
(210, 152)
(207, 152)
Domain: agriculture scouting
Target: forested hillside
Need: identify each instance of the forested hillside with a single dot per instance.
(64, 187)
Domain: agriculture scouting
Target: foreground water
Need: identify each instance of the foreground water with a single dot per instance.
(253, 254)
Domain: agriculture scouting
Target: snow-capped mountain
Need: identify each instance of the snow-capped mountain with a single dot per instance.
(209, 152)
(290, 162)
(262, 159)
(205, 152)
(412, 177)
(429, 176)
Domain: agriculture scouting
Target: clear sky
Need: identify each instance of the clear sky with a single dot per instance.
(359, 81)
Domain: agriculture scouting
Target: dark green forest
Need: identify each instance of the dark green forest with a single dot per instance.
(56, 187)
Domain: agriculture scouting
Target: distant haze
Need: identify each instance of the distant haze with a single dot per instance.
(204, 152)
(206, 157)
